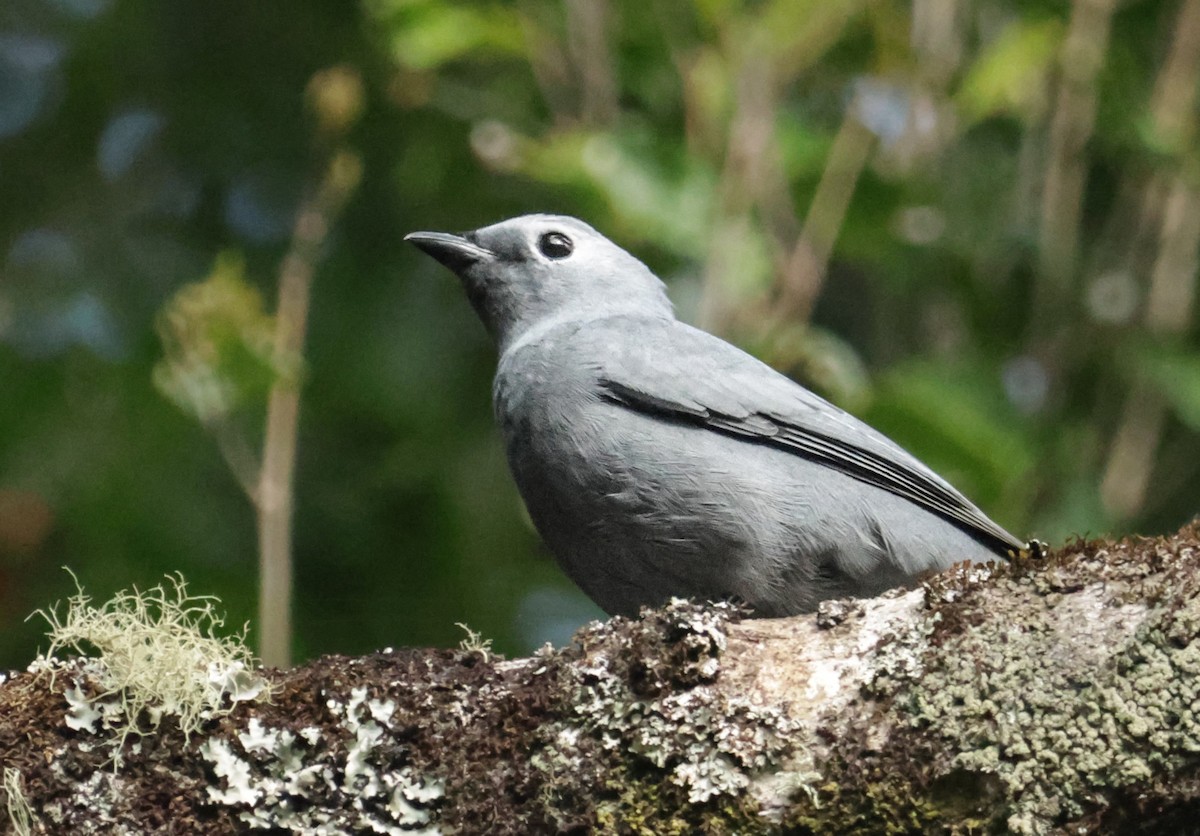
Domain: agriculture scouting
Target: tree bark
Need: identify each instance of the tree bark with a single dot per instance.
(1051, 695)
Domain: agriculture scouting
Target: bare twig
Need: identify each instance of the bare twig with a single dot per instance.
(938, 39)
(751, 141)
(1080, 61)
(587, 39)
(547, 61)
(337, 97)
(1175, 90)
(274, 495)
(803, 275)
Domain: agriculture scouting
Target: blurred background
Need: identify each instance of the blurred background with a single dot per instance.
(974, 224)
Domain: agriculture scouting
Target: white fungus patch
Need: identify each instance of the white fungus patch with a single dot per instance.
(234, 772)
(86, 712)
(89, 799)
(306, 783)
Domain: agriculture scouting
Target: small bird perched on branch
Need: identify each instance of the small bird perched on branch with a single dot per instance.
(657, 460)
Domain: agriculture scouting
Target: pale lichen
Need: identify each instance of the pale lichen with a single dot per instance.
(308, 784)
(20, 813)
(474, 642)
(159, 655)
(645, 723)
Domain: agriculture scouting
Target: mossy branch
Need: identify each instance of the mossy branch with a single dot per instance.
(1054, 695)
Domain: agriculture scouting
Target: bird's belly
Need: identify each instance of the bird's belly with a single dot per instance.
(638, 509)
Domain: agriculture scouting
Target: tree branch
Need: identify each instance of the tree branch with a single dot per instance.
(1056, 695)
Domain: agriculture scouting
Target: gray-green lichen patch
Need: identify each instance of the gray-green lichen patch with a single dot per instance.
(1056, 694)
(665, 750)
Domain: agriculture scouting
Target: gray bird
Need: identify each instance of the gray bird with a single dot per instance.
(657, 460)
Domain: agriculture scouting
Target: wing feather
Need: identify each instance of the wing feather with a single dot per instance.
(680, 373)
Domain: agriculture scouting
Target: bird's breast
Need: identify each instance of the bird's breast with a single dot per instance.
(547, 413)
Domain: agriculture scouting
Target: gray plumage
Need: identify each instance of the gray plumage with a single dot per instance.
(657, 460)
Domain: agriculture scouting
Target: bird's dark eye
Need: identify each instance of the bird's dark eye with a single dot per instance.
(555, 245)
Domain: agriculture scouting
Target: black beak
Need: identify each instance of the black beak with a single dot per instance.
(455, 251)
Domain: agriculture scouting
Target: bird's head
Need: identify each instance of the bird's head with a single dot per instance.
(540, 269)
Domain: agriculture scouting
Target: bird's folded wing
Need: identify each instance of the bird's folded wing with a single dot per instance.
(683, 374)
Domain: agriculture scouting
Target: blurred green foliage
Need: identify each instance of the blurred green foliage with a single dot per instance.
(217, 345)
(974, 223)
